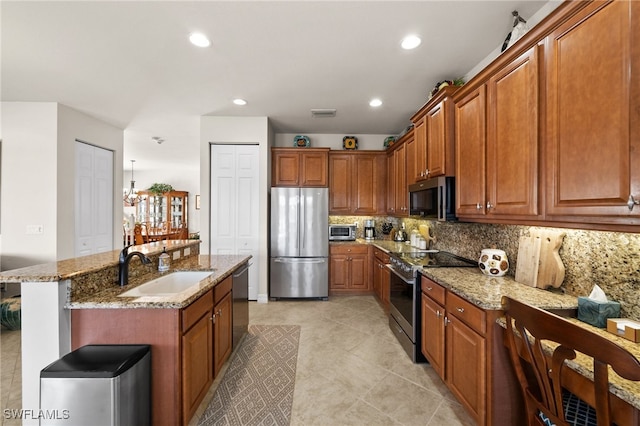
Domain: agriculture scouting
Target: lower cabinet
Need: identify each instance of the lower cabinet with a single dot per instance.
(381, 277)
(465, 346)
(349, 269)
(188, 346)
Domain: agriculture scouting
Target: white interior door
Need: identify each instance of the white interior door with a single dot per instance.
(93, 200)
(235, 204)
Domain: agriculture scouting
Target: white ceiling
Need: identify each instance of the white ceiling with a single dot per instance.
(131, 65)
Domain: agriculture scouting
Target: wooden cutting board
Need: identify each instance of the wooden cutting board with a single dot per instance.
(539, 264)
(551, 270)
(528, 260)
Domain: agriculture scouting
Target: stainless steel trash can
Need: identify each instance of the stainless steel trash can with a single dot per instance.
(98, 385)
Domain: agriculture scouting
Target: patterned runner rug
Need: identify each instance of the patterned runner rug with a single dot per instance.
(257, 388)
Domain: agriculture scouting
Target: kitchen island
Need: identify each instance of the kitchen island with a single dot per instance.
(53, 293)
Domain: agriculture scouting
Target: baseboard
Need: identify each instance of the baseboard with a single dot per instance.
(263, 298)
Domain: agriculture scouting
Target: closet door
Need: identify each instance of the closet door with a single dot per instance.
(235, 206)
(93, 200)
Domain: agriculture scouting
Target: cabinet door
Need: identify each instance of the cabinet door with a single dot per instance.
(368, 176)
(593, 112)
(222, 332)
(340, 184)
(391, 183)
(411, 160)
(314, 169)
(420, 134)
(439, 123)
(470, 153)
(359, 272)
(402, 194)
(197, 364)
(339, 272)
(465, 366)
(512, 138)
(433, 334)
(286, 168)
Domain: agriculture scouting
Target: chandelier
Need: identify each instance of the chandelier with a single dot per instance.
(131, 196)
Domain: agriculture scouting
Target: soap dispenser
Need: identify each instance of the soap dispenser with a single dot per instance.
(163, 261)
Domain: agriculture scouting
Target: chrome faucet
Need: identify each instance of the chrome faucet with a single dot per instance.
(123, 264)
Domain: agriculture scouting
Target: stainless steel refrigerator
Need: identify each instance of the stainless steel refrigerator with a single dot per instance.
(299, 263)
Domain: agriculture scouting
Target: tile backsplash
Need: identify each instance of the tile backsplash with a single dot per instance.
(609, 259)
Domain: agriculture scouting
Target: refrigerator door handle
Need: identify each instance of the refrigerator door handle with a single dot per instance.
(303, 221)
(298, 260)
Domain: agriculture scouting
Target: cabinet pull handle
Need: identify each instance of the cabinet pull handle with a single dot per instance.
(447, 321)
(461, 310)
(489, 205)
(429, 288)
(632, 202)
(478, 206)
(438, 313)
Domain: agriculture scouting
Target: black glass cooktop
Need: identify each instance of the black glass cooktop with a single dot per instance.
(435, 259)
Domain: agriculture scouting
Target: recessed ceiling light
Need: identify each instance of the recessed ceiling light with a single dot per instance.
(239, 101)
(199, 39)
(375, 102)
(410, 42)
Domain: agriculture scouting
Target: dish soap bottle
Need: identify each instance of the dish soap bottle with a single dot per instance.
(163, 261)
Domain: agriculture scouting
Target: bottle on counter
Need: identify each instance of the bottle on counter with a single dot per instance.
(163, 261)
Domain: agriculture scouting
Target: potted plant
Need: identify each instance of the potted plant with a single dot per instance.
(160, 188)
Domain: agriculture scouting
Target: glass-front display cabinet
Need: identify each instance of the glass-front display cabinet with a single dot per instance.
(164, 213)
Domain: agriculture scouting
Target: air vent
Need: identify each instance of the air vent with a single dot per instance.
(326, 112)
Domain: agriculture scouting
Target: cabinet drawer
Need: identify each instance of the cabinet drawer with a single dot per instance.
(432, 289)
(470, 314)
(381, 255)
(192, 313)
(222, 288)
(348, 249)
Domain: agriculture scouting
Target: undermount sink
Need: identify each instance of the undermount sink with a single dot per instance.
(168, 285)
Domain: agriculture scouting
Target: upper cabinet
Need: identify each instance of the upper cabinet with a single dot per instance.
(496, 130)
(433, 133)
(300, 167)
(549, 132)
(593, 114)
(355, 182)
(397, 192)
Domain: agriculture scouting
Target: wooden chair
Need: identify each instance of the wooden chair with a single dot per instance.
(139, 237)
(540, 371)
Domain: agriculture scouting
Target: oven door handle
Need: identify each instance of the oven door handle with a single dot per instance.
(393, 270)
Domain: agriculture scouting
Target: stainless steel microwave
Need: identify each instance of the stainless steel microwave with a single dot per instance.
(342, 232)
(434, 198)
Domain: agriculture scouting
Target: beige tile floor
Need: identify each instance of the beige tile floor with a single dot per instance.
(351, 370)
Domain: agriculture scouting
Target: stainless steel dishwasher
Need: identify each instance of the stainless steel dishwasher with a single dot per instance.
(240, 292)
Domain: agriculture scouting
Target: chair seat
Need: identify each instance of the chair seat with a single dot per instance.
(576, 411)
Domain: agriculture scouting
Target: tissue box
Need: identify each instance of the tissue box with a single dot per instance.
(629, 329)
(596, 313)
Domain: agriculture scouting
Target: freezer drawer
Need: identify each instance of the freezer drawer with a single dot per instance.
(299, 277)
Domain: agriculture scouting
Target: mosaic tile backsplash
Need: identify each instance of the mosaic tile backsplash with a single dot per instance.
(609, 259)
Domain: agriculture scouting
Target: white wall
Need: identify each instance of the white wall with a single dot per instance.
(38, 164)
(238, 130)
(333, 141)
(29, 182)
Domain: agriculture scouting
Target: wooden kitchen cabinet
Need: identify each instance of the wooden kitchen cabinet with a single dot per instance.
(465, 346)
(593, 115)
(355, 179)
(300, 167)
(222, 324)
(381, 277)
(348, 269)
(197, 353)
(496, 134)
(433, 130)
(397, 192)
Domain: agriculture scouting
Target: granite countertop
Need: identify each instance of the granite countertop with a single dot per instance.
(77, 266)
(221, 266)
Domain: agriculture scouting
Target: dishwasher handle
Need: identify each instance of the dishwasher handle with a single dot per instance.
(242, 271)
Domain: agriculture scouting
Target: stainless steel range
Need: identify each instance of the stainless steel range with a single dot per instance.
(404, 318)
